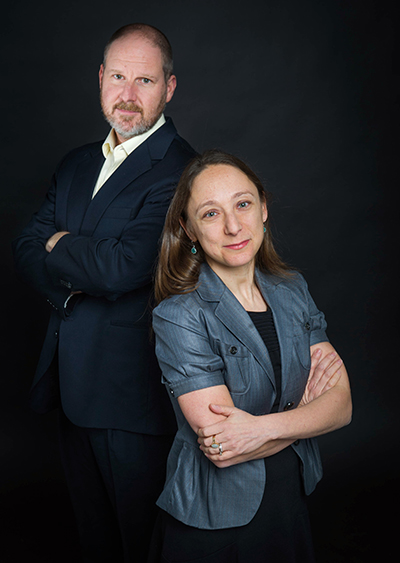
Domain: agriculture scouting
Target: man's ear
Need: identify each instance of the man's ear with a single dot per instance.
(187, 230)
(101, 73)
(171, 85)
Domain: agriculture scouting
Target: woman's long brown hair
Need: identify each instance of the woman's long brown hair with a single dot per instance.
(178, 268)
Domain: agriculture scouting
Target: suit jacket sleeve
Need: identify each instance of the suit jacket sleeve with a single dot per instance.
(95, 262)
(111, 267)
(30, 254)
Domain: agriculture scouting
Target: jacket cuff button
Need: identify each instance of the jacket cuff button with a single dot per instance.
(289, 405)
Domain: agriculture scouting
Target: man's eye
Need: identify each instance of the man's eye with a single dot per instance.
(146, 80)
(243, 204)
(118, 76)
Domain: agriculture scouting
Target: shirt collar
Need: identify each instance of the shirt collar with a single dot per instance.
(131, 144)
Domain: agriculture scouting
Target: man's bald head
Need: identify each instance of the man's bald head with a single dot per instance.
(153, 35)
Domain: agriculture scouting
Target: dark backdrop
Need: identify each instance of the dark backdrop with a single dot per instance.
(305, 92)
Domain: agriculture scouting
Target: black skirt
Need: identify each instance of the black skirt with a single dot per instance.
(279, 532)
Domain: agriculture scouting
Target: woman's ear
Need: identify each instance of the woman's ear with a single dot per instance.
(264, 211)
(186, 228)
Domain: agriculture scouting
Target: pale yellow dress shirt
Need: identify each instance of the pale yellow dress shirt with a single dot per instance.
(116, 154)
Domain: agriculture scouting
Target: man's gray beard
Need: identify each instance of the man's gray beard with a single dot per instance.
(137, 129)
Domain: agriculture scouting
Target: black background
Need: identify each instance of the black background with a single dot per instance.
(306, 93)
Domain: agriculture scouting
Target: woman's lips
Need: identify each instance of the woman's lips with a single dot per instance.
(237, 246)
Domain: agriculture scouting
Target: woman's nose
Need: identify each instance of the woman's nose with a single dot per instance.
(232, 224)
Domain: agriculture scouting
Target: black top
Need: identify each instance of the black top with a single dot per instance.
(264, 323)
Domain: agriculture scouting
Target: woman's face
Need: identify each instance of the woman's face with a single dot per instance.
(225, 215)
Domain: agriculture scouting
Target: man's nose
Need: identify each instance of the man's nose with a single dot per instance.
(129, 92)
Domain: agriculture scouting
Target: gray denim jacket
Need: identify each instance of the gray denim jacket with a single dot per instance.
(206, 338)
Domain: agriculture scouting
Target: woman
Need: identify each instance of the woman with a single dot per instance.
(251, 375)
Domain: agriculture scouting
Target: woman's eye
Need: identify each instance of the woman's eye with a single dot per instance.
(210, 214)
(243, 204)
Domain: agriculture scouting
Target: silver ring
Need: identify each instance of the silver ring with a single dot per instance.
(220, 449)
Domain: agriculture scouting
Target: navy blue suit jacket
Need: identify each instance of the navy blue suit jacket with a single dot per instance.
(107, 372)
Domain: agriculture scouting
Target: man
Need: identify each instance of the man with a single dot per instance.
(90, 250)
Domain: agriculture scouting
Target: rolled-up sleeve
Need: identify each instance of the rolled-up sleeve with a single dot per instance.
(316, 319)
(184, 349)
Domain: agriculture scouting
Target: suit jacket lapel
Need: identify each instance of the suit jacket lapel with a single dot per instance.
(81, 189)
(279, 299)
(234, 317)
(83, 212)
(133, 166)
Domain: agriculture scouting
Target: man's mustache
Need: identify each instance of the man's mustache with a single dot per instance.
(128, 106)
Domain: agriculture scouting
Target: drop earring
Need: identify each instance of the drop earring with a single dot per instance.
(193, 250)
(265, 229)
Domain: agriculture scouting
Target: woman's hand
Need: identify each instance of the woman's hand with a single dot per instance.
(238, 433)
(243, 436)
(324, 374)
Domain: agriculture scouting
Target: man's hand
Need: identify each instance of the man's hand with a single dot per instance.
(53, 240)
